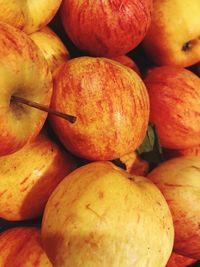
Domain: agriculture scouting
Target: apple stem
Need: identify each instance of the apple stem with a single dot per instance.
(29, 103)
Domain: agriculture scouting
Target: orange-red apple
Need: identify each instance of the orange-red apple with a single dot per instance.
(21, 247)
(179, 181)
(175, 106)
(24, 72)
(110, 102)
(100, 216)
(28, 177)
(177, 260)
(29, 16)
(52, 47)
(173, 36)
(106, 28)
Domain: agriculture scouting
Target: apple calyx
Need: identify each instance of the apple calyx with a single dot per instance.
(187, 46)
(17, 99)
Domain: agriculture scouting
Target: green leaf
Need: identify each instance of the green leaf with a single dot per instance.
(150, 149)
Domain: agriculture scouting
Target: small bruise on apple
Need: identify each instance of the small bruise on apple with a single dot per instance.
(174, 34)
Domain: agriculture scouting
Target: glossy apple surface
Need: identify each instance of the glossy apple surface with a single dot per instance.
(28, 15)
(24, 73)
(52, 47)
(28, 177)
(100, 215)
(106, 28)
(174, 94)
(21, 247)
(178, 179)
(110, 102)
(173, 36)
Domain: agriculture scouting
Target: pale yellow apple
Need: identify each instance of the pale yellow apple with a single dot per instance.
(179, 181)
(173, 36)
(28, 177)
(101, 216)
(21, 247)
(52, 47)
(25, 73)
(28, 15)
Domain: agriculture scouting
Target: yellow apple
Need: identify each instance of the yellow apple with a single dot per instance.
(100, 216)
(173, 36)
(52, 47)
(28, 16)
(24, 72)
(179, 181)
(28, 177)
(21, 247)
(110, 102)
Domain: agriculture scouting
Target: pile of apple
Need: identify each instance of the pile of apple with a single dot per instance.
(80, 81)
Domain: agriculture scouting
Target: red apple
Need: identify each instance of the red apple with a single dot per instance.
(24, 72)
(21, 247)
(106, 28)
(52, 47)
(179, 181)
(175, 106)
(28, 177)
(177, 260)
(29, 16)
(110, 102)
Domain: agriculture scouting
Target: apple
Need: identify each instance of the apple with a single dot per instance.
(174, 94)
(128, 62)
(106, 28)
(29, 16)
(24, 73)
(28, 177)
(52, 47)
(107, 217)
(173, 36)
(21, 247)
(177, 260)
(178, 179)
(110, 102)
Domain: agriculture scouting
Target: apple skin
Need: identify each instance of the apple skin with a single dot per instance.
(178, 180)
(106, 28)
(28, 177)
(177, 260)
(174, 94)
(128, 62)
(22, 247)
(19, 123)
(107, 217)
(163, 43)
(52, 47)
(109, 100)
(28, 16)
